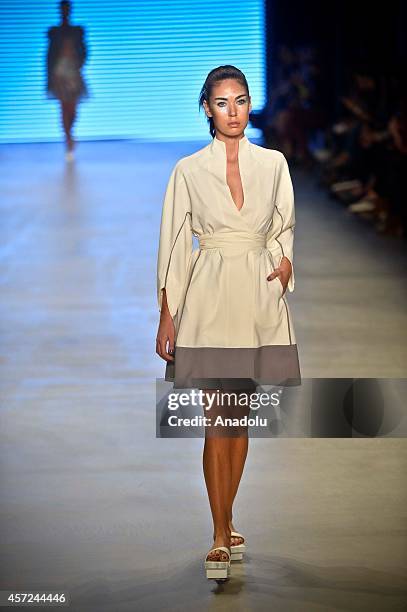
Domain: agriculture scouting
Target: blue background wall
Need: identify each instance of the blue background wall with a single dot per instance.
(147, 62)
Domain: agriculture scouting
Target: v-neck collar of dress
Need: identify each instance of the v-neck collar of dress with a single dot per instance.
(218, 150)
(219, 146)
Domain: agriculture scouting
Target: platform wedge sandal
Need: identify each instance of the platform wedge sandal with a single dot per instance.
(237, 550)
(218, 570)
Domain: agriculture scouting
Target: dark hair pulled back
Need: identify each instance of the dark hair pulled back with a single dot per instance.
(219, 74)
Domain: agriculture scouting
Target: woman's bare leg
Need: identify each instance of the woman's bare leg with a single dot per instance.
(68, 118)
(218, 474)
(224, 457)
(238, 452)
(238, 449)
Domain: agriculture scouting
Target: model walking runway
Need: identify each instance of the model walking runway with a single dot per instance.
(121, 513)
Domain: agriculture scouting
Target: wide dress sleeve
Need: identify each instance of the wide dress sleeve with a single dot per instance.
(175, 242)
(280, 238)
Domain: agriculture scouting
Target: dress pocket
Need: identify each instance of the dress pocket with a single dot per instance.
(275, 280)
(270, 269)
(281, 285)
(268, 302)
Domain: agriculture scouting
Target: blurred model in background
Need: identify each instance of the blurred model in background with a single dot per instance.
(66, 55)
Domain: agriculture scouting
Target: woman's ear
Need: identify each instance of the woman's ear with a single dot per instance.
(206, 107)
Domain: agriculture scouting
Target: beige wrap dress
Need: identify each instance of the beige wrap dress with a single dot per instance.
(230, 321)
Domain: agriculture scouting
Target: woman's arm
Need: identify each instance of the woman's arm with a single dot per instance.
(165, 341)
(280, 238)
(175, 242)
(82, 47)
(174, 253)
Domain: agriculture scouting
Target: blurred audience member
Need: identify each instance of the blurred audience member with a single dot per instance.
(295, 110)
(362, 155)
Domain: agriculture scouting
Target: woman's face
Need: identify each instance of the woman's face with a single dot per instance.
(229, 106)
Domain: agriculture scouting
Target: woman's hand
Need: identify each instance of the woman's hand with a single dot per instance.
(283, 271)
(166, 333)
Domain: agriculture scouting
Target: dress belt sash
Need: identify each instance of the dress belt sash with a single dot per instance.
(235, 241)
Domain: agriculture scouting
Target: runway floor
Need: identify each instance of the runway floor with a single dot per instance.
(91, 501)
